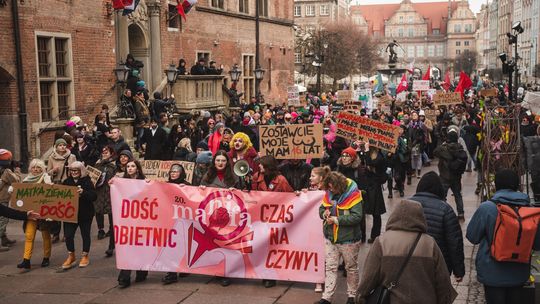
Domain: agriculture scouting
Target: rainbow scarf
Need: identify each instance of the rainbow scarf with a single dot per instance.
(350, 198)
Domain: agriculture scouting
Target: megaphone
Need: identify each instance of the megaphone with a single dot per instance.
(241, 168)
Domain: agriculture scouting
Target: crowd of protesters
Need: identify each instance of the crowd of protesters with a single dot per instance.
(356, 177)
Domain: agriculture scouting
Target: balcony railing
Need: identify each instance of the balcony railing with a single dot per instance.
(199, 92)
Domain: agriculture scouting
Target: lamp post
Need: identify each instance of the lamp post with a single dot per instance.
(171, 73)
(259, 75)
(322, 46)
(508, 68)
(258, 69)
(121, 73)
(513, 39)
(234, 97)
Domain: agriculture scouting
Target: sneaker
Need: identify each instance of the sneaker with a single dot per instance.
(319, 288)
(224, 282)
(323, 301)
(25, 264)
(70, 261)
(269, 283)
(124, 283)
(85, 261)
(45, 262)
(100, 234)
(401, 193)
(141, 276)
(109, 252)
(170, 278)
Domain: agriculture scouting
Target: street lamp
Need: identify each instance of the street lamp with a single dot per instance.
(507, 68)
(171, 73)
(320, 60)
(235, 74)
(121, 72)
(259, 75)
(234, 97)
(125, 109)
(513, 65)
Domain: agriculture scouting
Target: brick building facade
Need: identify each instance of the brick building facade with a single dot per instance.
(69, 50)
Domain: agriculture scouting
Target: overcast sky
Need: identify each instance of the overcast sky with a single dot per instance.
(475, 4)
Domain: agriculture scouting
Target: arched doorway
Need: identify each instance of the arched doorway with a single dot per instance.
(138, 47)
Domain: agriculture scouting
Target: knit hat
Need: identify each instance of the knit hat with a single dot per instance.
(351, 152)
(294, 115)
(140, 84)
(421, 113)
(431, 183)
(219, 125)
(506, 179)
(452, 137)
(60, 141)
(126, 153)
(5, 154)
(245, 138)
(79, 165)
(204, 157)
(202, 145)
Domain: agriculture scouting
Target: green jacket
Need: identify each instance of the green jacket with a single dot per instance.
(349, 230)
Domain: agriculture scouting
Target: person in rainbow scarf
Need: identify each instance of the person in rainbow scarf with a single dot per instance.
(341, 212)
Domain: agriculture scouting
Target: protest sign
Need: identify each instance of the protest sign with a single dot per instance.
(385, 100)
(449, 98)
(489, 92)
(293, 96)
(159, 169)
(217, 232)
(420, 85)
(365, 97)
(94, 174)
(430, 114)
(56, 202)
(431, 93)
(401, 96)
(344, 95)
(300, 141)
(376, 133)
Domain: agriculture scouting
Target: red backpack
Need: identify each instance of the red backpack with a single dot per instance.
(515, 231)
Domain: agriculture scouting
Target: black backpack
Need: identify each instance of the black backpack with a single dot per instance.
(458, 164)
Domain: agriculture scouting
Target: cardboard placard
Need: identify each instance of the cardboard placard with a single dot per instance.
(489, 92)
(378, 134)
(300, 141)
(450, 98)
(344, 95)
(159, 169)
(293, 96)
(94, 174)
(420, 85)
(385, 100)
(430, 114)
(55, 202)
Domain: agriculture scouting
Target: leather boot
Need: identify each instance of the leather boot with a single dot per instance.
(70, 261)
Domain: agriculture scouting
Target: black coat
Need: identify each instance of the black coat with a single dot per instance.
(374, 200)
(5, 211)
(156, 145)
(446, 154)
(86, 198)
(297, 176)
(443, 226)
(119, 146)
(89, 155)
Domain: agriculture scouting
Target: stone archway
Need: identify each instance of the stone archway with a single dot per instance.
(139, 48)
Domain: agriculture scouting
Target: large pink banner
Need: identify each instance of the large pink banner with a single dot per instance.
(257, 235)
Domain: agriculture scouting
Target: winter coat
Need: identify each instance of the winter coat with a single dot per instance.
(102, 205)
(470, 138)
(278, 184)
(297, 175)
(89, 155)
(119, 145)
(61, 162)
(416, 135)
(374, 200)
(156, 148)
(184, 154)
(5, 211)
(86, 198)
(446, 154)
(443, 226)
(7, 177)
(425, 279)
(217, 183)
(142, 113)
(480, 231)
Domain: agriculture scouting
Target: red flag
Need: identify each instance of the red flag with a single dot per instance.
(118, 4)
(403, 85)
(427, 75)
(180, 8)
(446, 83)
(464, 83)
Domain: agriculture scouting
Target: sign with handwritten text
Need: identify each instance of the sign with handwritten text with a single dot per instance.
(300, 141)
(449, 98)
(56, 202)
(159, 169)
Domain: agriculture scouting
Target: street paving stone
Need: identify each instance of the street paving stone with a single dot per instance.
(97, 283)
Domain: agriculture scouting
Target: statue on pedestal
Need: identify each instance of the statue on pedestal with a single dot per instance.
(392, 58)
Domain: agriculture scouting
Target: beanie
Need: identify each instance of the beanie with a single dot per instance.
(60, 141)
(431, 183)
(202, 145)
(351, 152)
(452, 137)
(506, 179)
(5, 154)
(126, 153)
(204, 157)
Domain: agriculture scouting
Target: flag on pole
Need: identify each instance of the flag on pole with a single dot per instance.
(118, 4)
(378, 84)
(188, 4)
(446, 83)
(403, 85)
(464, 83)
(427, 75)
(184, 6)
(130, 6)
(410, 69)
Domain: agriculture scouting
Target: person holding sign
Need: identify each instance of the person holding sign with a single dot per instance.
(37, 174)
(102, 205)
(79, 178)
(341, 212)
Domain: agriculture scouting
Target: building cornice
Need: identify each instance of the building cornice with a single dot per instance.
(278, 21)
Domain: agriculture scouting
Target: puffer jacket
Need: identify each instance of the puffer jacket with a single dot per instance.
(445, 153)
(480, 231)
(443, 226)
(425, 279)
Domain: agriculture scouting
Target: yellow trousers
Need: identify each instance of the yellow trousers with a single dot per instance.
(30, 234)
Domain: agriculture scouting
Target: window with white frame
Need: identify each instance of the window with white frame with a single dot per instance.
(457, 28)
(466, 43)
(410, 19)
(458, 43)
(431, 51)
(468, 28)
(297, 58)
(325, 11)
(458, 52)
(298, 11)
(411, 32)
(243, 6)
(55, 76)
(420, 51)
(400, 32)
(173, 19)
(440, 50)
(248, 65)
(410, 51)
(218, 4)
(263, 7)
(310, 10)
